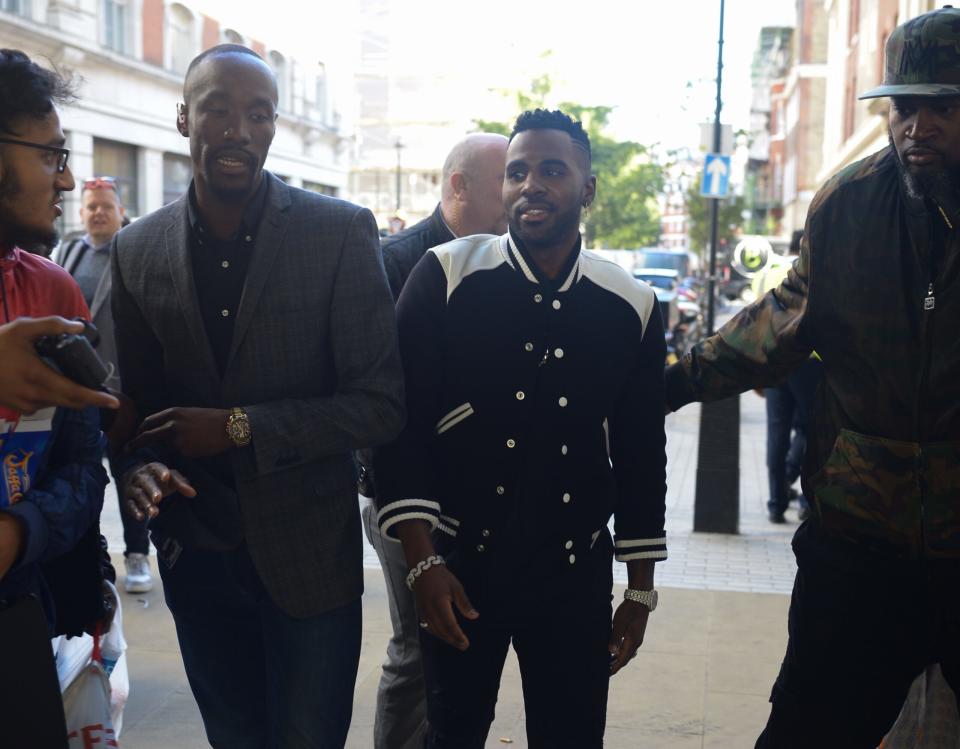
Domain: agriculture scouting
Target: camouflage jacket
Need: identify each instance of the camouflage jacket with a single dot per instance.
(876, 291)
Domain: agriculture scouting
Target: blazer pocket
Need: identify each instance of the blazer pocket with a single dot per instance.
(457, 415)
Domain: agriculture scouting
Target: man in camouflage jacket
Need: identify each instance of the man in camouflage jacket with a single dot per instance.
(876, 292)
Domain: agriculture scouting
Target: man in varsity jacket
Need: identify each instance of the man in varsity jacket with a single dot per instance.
(534, 376)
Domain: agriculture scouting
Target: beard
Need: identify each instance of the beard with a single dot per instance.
(30, 238)
(943, 182)
(565, 224)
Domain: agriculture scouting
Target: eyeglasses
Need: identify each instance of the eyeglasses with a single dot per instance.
(62, 153)
(100, 183)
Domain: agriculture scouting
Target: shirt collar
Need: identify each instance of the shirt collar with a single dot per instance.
(251, 217)
(89, 243)
(521, 259)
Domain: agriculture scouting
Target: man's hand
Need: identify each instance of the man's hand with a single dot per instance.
(437, 591)
(11, 539)
(26, 383)
(629, 626)
(192, 432)
(145, 487)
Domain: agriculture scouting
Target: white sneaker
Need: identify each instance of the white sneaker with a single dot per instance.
(139, 579)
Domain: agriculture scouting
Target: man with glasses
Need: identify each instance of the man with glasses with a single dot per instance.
(53, 483)
(87, 259)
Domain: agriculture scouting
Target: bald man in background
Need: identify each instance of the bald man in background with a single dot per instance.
(471, 202)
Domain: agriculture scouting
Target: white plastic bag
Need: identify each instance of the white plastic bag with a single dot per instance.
(73, 655)
(86, 704)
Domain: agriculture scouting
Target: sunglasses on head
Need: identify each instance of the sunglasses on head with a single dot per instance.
(100, 183)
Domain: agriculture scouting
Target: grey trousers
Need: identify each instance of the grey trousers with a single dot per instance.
(401, 717)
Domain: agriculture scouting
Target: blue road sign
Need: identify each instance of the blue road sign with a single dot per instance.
(716, 176)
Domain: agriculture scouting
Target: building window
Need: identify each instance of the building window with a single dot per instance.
(320, 95)
(233, 37)
(177, 173)
(18, 7)
(320, 188)
(116, 26)
(182, 35)
(279, 65)
(119, 160)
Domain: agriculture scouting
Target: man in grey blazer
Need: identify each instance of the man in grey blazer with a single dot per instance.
(256, 332)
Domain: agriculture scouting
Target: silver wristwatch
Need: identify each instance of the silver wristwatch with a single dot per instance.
(647, 597)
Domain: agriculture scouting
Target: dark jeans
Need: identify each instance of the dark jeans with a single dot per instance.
(564, 668)
(262, 679)
(788, 409)
(136, 539)
(862, 627)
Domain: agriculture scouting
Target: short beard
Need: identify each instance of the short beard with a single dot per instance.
(565, 223)
(923, 186)
(16, 235)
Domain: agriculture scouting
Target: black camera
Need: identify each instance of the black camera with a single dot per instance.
(73, 356)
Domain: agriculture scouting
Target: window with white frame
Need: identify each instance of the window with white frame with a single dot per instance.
(17, 7)
(233, 37)
(279, 65)
(117, 26)
(181, 30)
(320, 96)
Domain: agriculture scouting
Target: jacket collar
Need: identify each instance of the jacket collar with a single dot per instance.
(519, 258)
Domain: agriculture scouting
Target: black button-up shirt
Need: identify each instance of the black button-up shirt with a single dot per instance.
(220, 271)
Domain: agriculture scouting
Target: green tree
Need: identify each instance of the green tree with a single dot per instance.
(625, 213)
(729, 220)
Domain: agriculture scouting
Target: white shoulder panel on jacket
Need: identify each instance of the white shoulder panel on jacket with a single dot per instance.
(467, 255)
(608, 275)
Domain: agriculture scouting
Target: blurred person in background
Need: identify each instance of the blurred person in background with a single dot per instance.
(87, 259)
(471, 202)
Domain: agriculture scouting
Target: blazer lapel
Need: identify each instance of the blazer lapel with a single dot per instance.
(181, 271)
(270, 237)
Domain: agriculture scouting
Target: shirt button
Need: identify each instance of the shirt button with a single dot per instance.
(563, 449)
(225, 313)
(501, 490)
(248, 238)
(568, 545)
(528, 347)
(573, 559)
(563, 401)
(225, 264)
(556, 304)
(566, 498)
(481, 548)
(558, 353)
(485, 533)
(538, 298)
(511, 443)
(520, 395)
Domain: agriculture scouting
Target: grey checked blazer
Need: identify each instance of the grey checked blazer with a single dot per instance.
(314, 362)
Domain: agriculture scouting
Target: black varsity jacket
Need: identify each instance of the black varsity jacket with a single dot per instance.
(535, 407)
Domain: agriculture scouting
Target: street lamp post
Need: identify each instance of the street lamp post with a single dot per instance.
(716, 506)
(399, 146)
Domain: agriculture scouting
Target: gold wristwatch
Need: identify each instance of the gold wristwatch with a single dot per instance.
(238, 427)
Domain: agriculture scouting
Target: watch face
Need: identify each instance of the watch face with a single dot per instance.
(654, 597)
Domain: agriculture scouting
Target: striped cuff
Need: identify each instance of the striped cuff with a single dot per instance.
(407, 509)
(627, 549)
(449, 525)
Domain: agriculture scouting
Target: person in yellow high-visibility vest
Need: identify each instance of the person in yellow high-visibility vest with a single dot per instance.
(788, 406)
